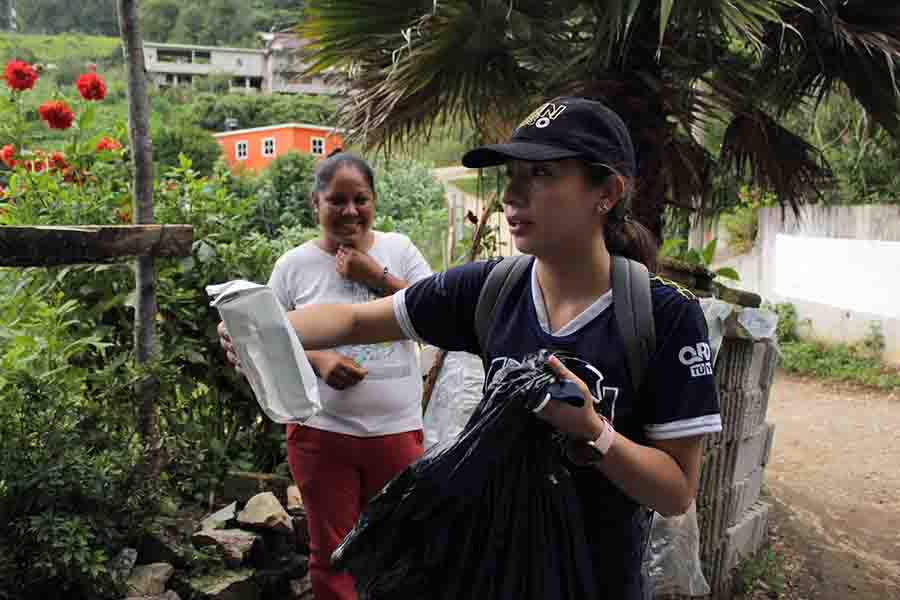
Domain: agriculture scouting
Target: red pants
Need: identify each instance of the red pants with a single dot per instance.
(337, 475)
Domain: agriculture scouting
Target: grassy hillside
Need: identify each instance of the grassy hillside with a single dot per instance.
(60, 49)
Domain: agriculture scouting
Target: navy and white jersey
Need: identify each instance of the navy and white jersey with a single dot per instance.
(678, 398)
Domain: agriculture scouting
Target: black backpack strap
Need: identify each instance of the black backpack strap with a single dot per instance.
(633, 309)
(501, 280)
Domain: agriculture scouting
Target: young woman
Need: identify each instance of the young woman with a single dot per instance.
(370, 427)
(569, 165)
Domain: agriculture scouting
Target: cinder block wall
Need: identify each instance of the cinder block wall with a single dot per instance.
(733, 520)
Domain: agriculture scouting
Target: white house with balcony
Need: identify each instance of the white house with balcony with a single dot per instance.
(275, 69)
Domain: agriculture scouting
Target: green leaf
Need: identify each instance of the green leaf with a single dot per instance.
(693, 257)
(672, 247)
(710, 251)
(728, 273)
(665, 13)
(86, 120)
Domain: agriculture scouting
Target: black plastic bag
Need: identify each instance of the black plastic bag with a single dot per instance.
(492, 515)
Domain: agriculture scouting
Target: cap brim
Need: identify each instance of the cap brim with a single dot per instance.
(497, 154)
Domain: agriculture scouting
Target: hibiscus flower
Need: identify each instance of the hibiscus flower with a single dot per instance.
(7, 155)
(20, 76)
(91, 86)
(57, 114)
(108, 144)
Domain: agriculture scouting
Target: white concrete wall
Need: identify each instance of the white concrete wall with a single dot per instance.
(840, 266)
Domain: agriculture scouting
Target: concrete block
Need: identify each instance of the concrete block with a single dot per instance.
(747, 536)
(743, 495)
(753, 375)
(770, 440)
(731, 406)
(753, 415)
(733, 363)
(770, 365)
(751, 454)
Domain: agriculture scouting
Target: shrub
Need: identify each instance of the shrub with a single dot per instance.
(172, 141)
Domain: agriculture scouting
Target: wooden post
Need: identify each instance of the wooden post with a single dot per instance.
(145, 344)
(53, 246)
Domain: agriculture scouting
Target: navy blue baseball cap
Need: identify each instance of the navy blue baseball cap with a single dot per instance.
(565, 127)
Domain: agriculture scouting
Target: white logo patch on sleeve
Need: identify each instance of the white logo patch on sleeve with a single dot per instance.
(697, 357)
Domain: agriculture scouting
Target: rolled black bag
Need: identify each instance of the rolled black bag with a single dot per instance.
(491, 515)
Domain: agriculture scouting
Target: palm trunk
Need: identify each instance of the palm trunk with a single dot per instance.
(145, 343)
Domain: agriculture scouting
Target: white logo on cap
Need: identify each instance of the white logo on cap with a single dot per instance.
(543, 116)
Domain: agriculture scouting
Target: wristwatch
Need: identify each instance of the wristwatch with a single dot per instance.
(585, 454)
(382, 289)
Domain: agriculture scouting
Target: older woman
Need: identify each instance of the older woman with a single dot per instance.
(370, 426)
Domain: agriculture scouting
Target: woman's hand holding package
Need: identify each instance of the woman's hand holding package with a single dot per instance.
(225, 341)
(578, 422)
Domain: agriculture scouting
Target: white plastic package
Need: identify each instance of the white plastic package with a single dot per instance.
(672, 561)
(457, 392)
(270, 353)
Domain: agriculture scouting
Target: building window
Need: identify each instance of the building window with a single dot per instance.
(318, 146)
(268, 147)
(240, 150)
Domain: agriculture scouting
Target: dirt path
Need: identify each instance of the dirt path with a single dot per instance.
(835, 481)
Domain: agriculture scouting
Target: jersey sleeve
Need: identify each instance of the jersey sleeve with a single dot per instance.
(681, 398)
(440, 310)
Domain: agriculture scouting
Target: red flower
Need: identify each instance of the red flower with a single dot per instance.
(91, 86)
(58, 161)
(20, 76)
(123, 215)
(57, 114)
(109, 144)
(7, 155)
(35, 166)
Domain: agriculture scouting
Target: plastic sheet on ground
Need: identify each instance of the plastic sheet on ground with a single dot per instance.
(269, 351)
(492, 514)
(672, 561)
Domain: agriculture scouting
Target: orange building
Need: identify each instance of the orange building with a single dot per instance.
(255, 148)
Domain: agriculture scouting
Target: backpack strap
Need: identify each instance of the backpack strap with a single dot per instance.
(501, 280)
(633, 309)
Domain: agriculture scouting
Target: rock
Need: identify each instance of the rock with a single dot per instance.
(264, 511)
(242, 485)
(221, 518)
(294, 502)
(149, 580)
(301, 532)
(227, 585)
(166, 541)
(237, 545)
(121, 566)
(301, 589)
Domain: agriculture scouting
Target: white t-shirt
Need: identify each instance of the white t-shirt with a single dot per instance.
(389, 399)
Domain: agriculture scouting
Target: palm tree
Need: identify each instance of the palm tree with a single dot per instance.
(671, 68)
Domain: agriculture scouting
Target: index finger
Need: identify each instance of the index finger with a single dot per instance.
(566, 375)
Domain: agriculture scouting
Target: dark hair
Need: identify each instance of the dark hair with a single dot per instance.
(336, 160)
(623, 234)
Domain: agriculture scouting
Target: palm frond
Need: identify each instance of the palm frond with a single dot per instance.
(855, 42)
(757, 146)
